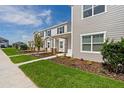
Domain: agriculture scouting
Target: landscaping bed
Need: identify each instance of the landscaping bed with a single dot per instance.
(31, 51)
(42, 55)
(89, 66)
(48, 74)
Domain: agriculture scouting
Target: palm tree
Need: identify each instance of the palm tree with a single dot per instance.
(38, 41)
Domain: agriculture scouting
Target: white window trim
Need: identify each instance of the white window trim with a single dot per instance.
(95, 33)
(59, 29)
(92, 12)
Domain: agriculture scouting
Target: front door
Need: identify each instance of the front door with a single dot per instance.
(61, 46)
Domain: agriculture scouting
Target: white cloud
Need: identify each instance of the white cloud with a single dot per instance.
(47, 15)
(19, 16)
(26, 38)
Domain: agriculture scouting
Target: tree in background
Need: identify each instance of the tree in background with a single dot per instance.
(29, 44)
(23, 47)
(20, 45)
(38, 41)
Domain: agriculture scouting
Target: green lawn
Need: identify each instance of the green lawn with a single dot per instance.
(22, 58)
(51, 75)
(11, 51)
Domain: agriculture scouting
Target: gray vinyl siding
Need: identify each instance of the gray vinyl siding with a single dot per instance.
(111, 21)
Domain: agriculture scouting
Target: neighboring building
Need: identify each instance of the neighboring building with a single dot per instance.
(3, 42)
(92, 25)
(57, 38)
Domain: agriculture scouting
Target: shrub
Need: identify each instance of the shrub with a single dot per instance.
(113, 55)
(23, 47)
(2, 46)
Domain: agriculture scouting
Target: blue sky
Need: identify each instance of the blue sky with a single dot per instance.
(17, 23)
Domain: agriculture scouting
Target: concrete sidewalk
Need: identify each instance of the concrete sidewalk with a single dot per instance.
(27, 62)
(35, 60)
(11, 76)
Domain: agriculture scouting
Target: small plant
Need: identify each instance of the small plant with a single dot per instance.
(113, 55)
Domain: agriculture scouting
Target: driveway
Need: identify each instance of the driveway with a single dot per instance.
(11, 76)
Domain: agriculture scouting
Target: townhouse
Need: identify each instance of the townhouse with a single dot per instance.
(57, 38)
(92, 25)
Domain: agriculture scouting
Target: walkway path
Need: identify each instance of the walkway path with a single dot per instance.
(45, 58)
(11, 76)
(27, 62)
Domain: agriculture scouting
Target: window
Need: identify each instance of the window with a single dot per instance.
(48, 33)
(86, 45)
(87, 10)
(90, 10)
(61, 44)
(99, 9)
(92, 42)
(48, 44)
(60, 30)
(97, 42)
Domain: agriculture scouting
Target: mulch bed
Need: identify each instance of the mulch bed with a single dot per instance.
(29, 51)
(90, 66)
(42, 55)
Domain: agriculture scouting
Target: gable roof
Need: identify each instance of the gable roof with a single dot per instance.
(51, 27)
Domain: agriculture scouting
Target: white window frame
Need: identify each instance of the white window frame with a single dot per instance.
(48, 31)
(62, 44)
(60, 28)
(82, 17)
(91, 34)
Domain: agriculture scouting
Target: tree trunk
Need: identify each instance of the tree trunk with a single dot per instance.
(38, 49)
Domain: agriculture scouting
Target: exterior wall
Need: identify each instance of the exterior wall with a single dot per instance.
(53, 31)
(69, 27)
(65, 28)
(69, 47)
(69, 42)
(111, 21)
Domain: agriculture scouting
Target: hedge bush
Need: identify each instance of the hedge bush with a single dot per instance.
(113, 55)
(23, 47)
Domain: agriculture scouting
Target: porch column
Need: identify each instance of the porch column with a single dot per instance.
(54, 46)
(45, 45)
(51, 44)
(66, 45)
(54, 43)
